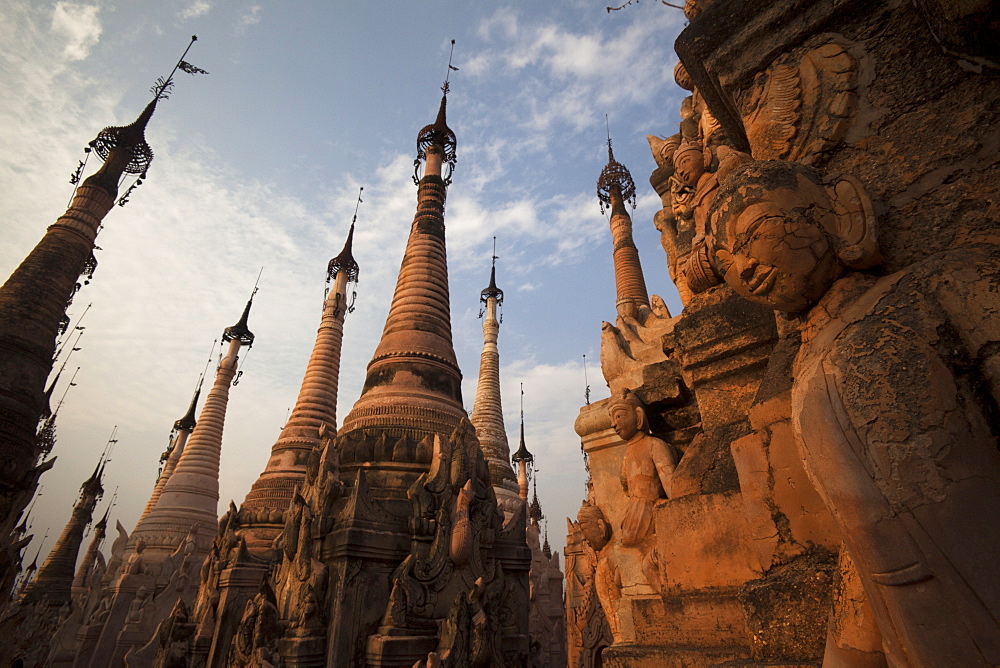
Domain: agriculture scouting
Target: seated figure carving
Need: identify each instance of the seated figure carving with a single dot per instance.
(894, 401)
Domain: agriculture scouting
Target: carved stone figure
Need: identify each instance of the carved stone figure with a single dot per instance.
(595, 527)
(784, 240)
(895, 385)
(134, 564)
(135, 607)
(646, 470)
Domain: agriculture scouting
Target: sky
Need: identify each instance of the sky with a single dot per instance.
(257, 169)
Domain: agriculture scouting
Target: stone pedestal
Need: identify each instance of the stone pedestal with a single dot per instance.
(303, 652)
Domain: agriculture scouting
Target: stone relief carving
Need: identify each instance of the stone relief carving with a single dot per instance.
(790, 233)
(301, 579)
(802, 106)
(451, 573)
(256, 640)
(134, 564)
(587, 626)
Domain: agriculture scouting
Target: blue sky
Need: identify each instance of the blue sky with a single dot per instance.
(259, 164)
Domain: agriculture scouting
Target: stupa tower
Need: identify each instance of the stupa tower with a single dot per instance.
(181, 431)
(262, 513)
(487, 412)
(414, 386)
(34, 298)
(190, 496)
(615, 187)
(368, 576)
(55, 576)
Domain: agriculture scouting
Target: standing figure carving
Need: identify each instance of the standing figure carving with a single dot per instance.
(646, 470)
(646, 474)
(894, 402)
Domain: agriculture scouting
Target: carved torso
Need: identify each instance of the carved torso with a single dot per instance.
(892, 405)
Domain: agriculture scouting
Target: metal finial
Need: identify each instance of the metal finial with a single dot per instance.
(446, 87)
(106, 455)
(201, 378)
(522, 454)
(256, 283)
(586, 392)
(132, 135)
(188, 421)
(161, 89)
(76, 328)
(607, 124)
(241, 330)
(357, 205)
(63, 398)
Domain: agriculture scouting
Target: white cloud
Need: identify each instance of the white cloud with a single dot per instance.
(597, 70)
(250, 17)
(79, 26)
(195, 9)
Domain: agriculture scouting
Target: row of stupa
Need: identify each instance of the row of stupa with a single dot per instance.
(403, 537)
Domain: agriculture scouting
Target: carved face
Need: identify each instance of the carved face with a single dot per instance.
(689, 165)
(776, 251)
(594, 527)
(625, 421)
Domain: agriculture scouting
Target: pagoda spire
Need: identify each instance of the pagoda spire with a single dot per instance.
(34, 299)
(29, 572)
(181, 431)
(55, 576)
(414, 386)
(81, 582)
(487, 412)
(522, 458)
(615, 187)
(190, 496)
(315, 408)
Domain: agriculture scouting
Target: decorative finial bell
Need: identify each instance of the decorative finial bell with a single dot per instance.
(128, 143)
(345, 260)
(492, 291)
(438, 134)
(240, 330)
(522, 454)
(615, 180)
